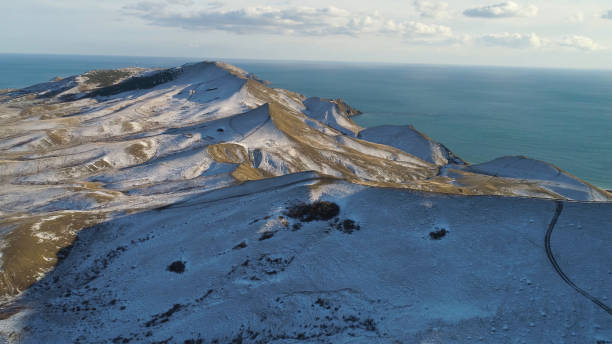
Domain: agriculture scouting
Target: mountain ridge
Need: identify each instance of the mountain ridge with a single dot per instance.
(109, 162)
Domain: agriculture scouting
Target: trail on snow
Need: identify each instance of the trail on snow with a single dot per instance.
(553, 261)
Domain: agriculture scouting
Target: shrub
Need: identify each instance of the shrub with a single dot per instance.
(177, 267)
(317, 211)
(243, 244)
(105, 78)
(437, 235)
(266, 236)
(348, 226)
(138, 83)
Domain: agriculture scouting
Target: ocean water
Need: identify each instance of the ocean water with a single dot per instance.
(480, 113)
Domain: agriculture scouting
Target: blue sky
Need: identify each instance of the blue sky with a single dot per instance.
(534, 33)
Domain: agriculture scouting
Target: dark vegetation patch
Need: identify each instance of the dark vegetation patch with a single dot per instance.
(105, 78)
(265, 265)
(347, 226)
(266, 235)
(137, 83)
(121, 339)
(243, 244)
(318, 331)
(163, 207)
(331, 317)
(437, 235)
(63, 253)
(102, 263)
(177, 267)
(165, 316)
(142, 240)
(317, 211)
(203, 297)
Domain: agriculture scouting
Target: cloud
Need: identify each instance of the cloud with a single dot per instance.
(533, 41)
(432, 9)
(580, 43)
(215, 4)
(506, 9)
(577, 18)
(513, 40)
(607, 15)
(425, 34)
(299, 21)
(182, 2)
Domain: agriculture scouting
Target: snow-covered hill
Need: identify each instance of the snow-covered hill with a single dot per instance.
(185, 204)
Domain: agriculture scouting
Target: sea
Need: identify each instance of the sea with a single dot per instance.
(560, 116)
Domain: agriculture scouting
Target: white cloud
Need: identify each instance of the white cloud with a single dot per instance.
(182, 2)
(532, 40)
(304, 21)
(145, 6)
(513, 40)
(432, 9)
(576, 18)
(427, 34)
(298, 20)
(607, 15)
(502, 10)
(580, 43)
(334, 21)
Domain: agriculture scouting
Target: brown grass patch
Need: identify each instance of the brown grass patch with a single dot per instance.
(230, 153)
(245, 172)
(138, 151)
(59, 137)
(30, 249)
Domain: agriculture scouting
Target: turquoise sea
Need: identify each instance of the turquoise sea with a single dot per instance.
(560, 116)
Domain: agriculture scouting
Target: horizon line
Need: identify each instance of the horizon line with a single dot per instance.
(389, 63)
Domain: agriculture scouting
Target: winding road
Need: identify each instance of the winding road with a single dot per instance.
(555, 265)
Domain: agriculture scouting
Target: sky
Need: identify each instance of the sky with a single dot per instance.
(529, 33)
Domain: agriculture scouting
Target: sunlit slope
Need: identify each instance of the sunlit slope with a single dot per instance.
(84, 149)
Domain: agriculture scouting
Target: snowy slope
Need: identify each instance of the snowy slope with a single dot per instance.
(551, 177)
(488, 280)
(133, 169)
(408, 139)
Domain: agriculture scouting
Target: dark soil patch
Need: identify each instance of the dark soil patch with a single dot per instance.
(437, 235)
(177, 267)
(317, 211)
